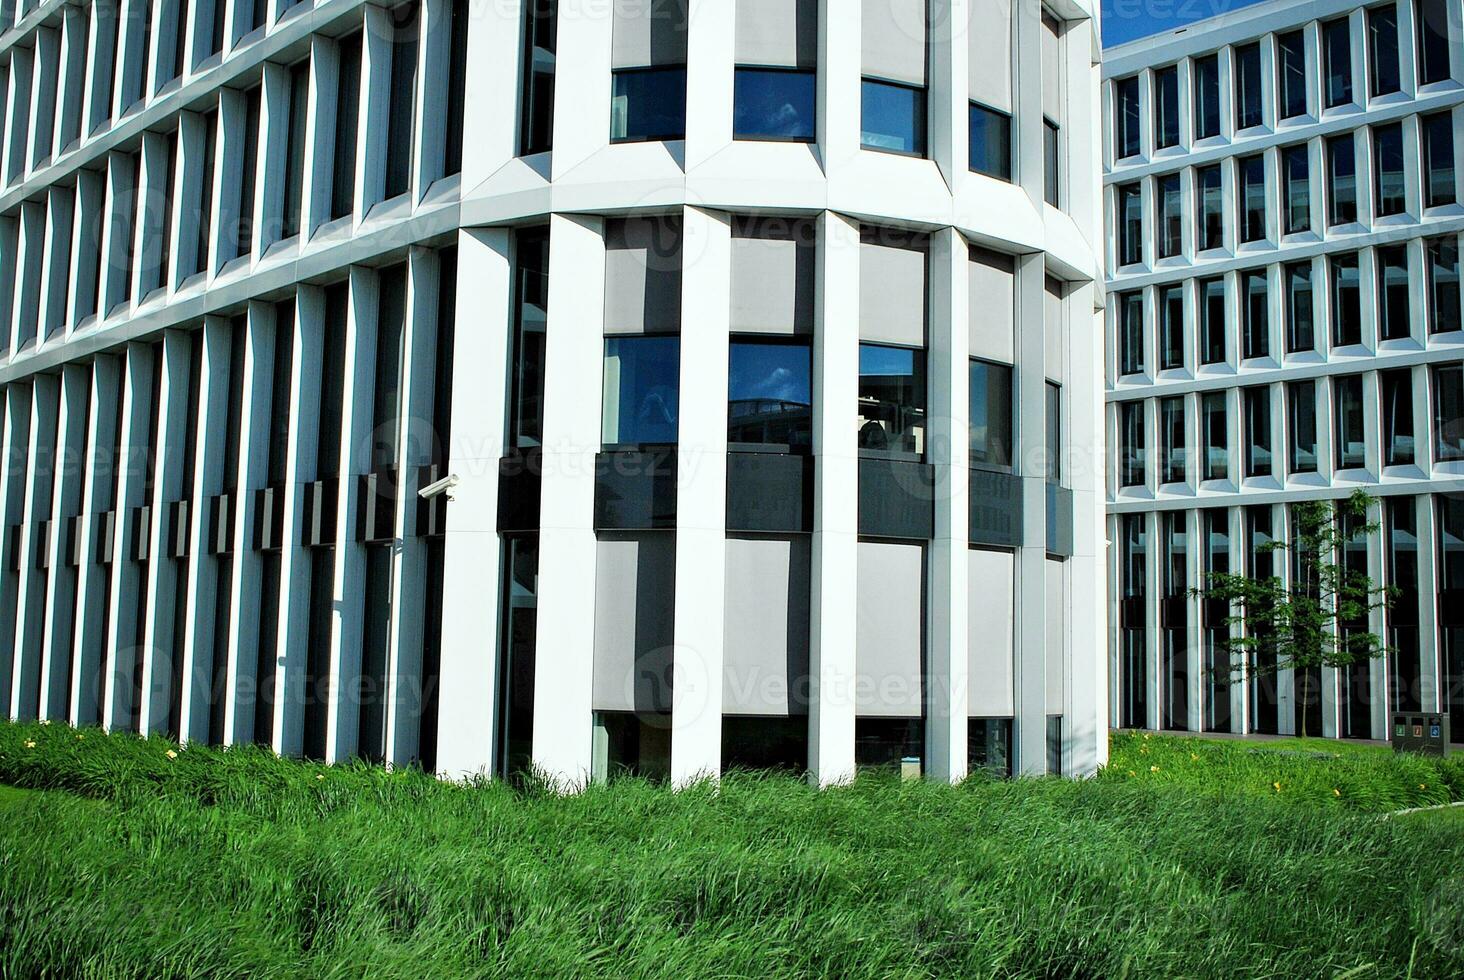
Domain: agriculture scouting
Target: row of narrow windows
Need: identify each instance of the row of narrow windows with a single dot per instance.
(1288, 50)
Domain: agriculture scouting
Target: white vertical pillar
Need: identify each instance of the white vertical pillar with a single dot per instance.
(490, 121)
(835, 545)
(374, 108)
(71, 428)
(415, 441)
(293, 639)
(471, 551)
(710, 61)
(574, 347)
(1084, 730)
(949, 442)
(840, 68)
(29, 638)
(1030, 387)
(163, 572)
(95, 569)
(701, 497)
(343, 695)
(206, 481)
(581, 85)
(121, 652)
(242, 685)
(13, 468)
(950, 104)
(429, 110)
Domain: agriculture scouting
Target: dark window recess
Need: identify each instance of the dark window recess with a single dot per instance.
(1131, 439)
(1255, 314)
(1131, 332)
(1382, 49)
(248, 168)
(1126, 108)
(1296, 188)
(1448, 404)
(1211, 224)
(1131, 225)
(1170, 217)
(1337, 62)
(1397, 395)
(457, 80)
(773, 104)
(347, 122)
(1247, 68)
(1212, 320)
(991, 414)
(1431, 17)
(1171, 327)
(1252, 172)
(1341, 181)
(1441, 261)
(402, 101)
(1388, 168)
(1291, 51)
(1300, 332)
(1214, 431)
(1051, 172)
(536, 106)
(531, 303)
(892, 117)
(1394, 314)
(1166, 107)
(648, 104)
(1346, 300)
(1438, 159)
(1256, 417)
(1301, 417)
(1348, 412)
(1206, 74)
(295, 149)
(991, 142)
(1172, 442)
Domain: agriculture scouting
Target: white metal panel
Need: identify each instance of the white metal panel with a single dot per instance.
(765, 670)
(772, 277)
(990, 35)
(991, 585)
(777, 33)
(892, 287)
(894, 40)
(992, 311)
(635, 581)
(642, 275)
(891, 630)
(649, 32)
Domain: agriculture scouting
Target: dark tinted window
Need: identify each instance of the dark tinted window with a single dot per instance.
(648, 104)
(1171, 327)
(1131, 225)
(1207, 96)
(1341, 181)
(295, 149)
(1347, 396)
(1166, 107)
(1397, 393)
(1252, 172)
(1131, 439)
(1388, 168)
(991, 414)
(1171, 434)
(1214, 430)
(1131, 332)
(892, 118)
(991, 142)
(1050, 174)
(769, 393)
(1432, 19)
(1212, 202)
(1296, 187)
(1448, 387)
(402, 107)
(1301, 411)
(1169, 215)
(1438, 159)
(1441, 258)
(1299, 331)
(1256, 314)
(1248, 86)
(348, 100)
(642, 390)
(1337, 62)
(1346, 300)
(1291, 50)
(1393, 310)
(531, 304)
(1212, 320)
(1256, 403)
(773, 103)
(536, 105)
(1127, 110)
(891, 399)
(1382, 49)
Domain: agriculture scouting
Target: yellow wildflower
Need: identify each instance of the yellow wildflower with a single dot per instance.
(171, 754)
(1277, 786)
(1153, 768)
(1336, 791)
(30, 743)
(320, 775)
(1132, 773)
(1194, 758)
(1423, 785)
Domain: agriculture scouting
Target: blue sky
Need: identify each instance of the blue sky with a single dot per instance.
(1126, 20)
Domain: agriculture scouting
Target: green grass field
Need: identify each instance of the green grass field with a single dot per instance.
(1182, 858)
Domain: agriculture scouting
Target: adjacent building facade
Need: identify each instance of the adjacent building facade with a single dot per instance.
(584, 387)
(1283, 325)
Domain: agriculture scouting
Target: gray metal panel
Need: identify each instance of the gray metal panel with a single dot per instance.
(642, 275)
(772, 277)
(892, 294)
(1051, 73)
(889, 638)
(648, 32)
(765, 669)
(990, 34)
(635, 590)
(778, 33)
(991, 577)
(894, 40)
(1056, 615)
(992, 314)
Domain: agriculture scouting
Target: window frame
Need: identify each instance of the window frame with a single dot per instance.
(989, 114)
(1251, 226)
(1166, 106)
(1298, 393)
(750, 339)
(1289, 73)
(1246, 68)
(920, 385)
(667, 136)
(1296, 214)
(1348, 413)
(1169, 241)
(1374, 31)
(1214, 465)
(988, 365)
(1455, 320)
(1205, 107)
(811, 75)
(1446, 451)
(920, 134)
(1387, 138)
(1336, 203)
(1334, 96)
(1210, 331)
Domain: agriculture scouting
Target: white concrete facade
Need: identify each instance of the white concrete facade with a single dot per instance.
(1331, 360)
(278, 267)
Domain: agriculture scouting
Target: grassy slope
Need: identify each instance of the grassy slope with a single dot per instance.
(234, 863)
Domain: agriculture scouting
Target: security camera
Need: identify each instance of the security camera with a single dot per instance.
(439, 488)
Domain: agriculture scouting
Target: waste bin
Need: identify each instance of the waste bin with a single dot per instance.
(1421, 731)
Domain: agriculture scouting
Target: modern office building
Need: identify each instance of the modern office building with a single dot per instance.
(1283, 325)
(580, 386)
